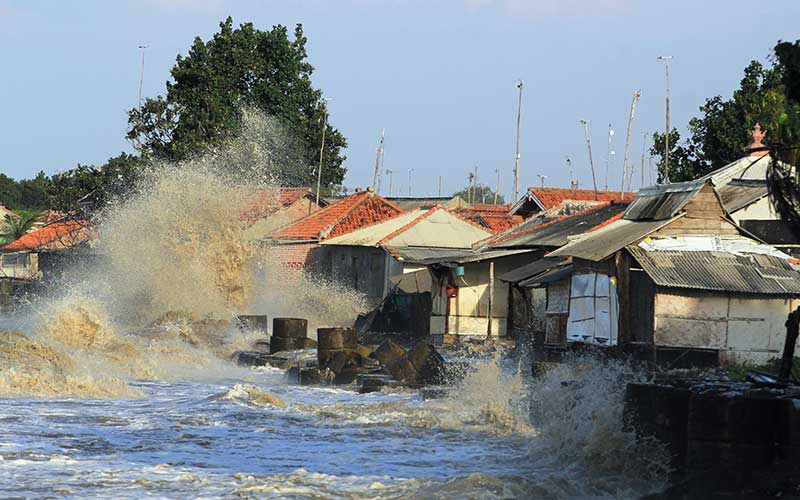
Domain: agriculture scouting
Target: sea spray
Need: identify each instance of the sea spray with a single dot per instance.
(577, 406)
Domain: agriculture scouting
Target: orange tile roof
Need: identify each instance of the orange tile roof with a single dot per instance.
(55, 236)
(264, 202)
(551, 197)
(343, 216)
(493, 217)
(531, 229)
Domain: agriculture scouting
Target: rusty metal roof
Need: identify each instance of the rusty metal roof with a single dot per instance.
(662, 201)
(719, 271)
(603, 242)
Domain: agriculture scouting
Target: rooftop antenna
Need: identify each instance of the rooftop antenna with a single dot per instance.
(378, 157)
(410, 173)
(497, 186)
(666, 60)
(471, 178)
(520, 86)
(541, 178)
(585, 124)
(143, 48)
(572, 183)
(609, 153)
(636, 95)
(644, 148)
(389, 173)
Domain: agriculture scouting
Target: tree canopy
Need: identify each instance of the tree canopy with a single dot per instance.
(241, 68)
(769, 96)
(480, 193)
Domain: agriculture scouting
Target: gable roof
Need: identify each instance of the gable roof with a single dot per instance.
(555, 233)
(434, 228)
(266, 202)
(543, 199)
(493, 217)
(413, 203)
(342, 216)
(55, 236)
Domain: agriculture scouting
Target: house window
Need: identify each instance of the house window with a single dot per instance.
(16, 259)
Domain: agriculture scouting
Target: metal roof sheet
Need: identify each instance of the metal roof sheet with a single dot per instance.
(422, 255)
(557, 233)
(747, 167)
(662, 201)
(719, 271)
(740, 193)
(555, 274)
(603, 242)
(531, 269)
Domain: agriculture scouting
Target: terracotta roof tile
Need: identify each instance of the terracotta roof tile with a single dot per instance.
(552, 197)
(264, 202)
(57, 235)
(493, 217)
(344, 215)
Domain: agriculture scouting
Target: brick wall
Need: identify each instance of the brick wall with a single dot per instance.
(292, 261)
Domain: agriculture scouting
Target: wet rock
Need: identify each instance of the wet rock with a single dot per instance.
(309, 343)
(310, 376)
(251, 358)
(364, 351)
(427, 361)
(336, 338)
(388, 353)
(403, 371)
(296, 328)
(375, 382)
(280, 344)
(261, 346)
(292, 375)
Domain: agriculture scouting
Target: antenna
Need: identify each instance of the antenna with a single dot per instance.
(497, 186)
(378, 157)
(141, 74)
(389, 173)
(666, 60)
(644, 148)
(520, 86)
(636, 95)
(585, 124)
(541, 178)
(609, 153)
(572, 183)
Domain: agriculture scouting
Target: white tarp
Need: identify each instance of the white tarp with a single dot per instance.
(593, 310)
(736, 246)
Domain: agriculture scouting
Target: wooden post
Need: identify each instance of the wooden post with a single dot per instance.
(792, 329)
(623, 265)
(491, 298)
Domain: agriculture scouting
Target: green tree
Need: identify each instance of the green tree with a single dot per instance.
(480, 193)
(236, 69)
(97, 185)
(15, 228)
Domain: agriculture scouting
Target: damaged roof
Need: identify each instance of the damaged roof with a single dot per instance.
(555, 233)
(740, 193)
(719, 271)
(532, 269)
(543, 199)
(662, 201)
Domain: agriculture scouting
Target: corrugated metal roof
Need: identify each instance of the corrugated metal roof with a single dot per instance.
(603, 242)
(556, 274)
(531, 269)
(420, 255)
(473, 256)
(369, 236)
(747, 167)
(662, 201)
(557, 233)
(719, 271)
(740, 193)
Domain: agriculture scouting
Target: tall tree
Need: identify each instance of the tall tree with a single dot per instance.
(480, 193)
(239, 68)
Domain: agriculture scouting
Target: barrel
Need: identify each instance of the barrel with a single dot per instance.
(278, 344)
(254, 322)
(296, 328)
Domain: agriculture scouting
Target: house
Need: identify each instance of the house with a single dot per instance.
(293, 246)
(539, 200)
(40, 254)
(676, 281)
(270, 210)
(384, 255)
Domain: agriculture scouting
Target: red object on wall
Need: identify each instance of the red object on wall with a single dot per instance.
(451, 291)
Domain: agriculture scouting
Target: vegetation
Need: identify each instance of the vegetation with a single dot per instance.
(479, 193)
(15, 228)
(769, 96)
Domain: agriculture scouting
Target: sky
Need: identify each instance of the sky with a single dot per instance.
(438, 75)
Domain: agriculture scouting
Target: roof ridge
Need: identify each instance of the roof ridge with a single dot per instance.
(460, 217)
(318, 213)
(408, 226)
(326, 230)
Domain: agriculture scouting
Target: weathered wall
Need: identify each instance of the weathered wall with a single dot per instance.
(742, 328)
(292, 260)
(23, 265)
(557, 312)
(362, 268)
(760, 210)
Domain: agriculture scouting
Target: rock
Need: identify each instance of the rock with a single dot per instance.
(427, 361)
(290, 328)
(251, 358)
(293, 374)
(310, 376)
(403, 371)
(348, 375)
(388, 353)
(364, 350)
(336, 338)
(309, 343)
(261, 346)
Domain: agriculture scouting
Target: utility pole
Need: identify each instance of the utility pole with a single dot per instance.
(322, 146)
(651, 170)
(585, 124)
(141, 73)
(666, 60)
(389, 173)
(410, 172)
(609, 153)
(471, 178)
(378, 156)
(636, 96)
(440, 186)
(520, 86)
(644, 148)
(497, 185)
(475, 185)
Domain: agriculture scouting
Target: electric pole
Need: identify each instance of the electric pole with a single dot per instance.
(389, 173)
(378, 156)
(471, 178)
(609, 153)
(644, 147)
(141, 73)
(440, 186)
(410, 172)
(636, 96)
(585, 124)
(572, 183)
(497, 185)
(520, 86)
(666, 60)
(322, 145)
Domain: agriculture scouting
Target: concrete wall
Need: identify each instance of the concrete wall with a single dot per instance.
(364, 268)
(760, 210)
(742, 328)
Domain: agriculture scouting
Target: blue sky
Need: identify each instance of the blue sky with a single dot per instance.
(438, 75)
